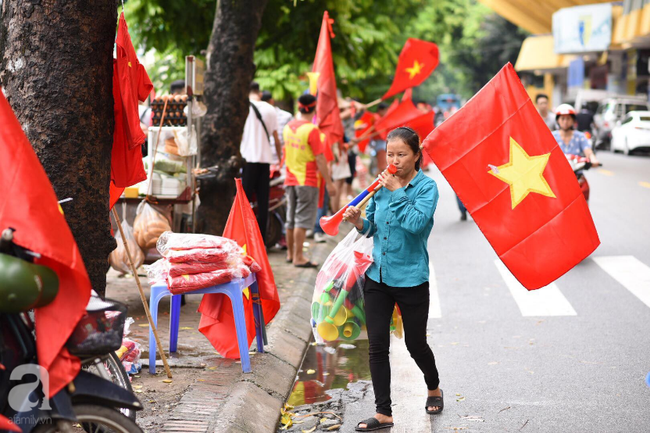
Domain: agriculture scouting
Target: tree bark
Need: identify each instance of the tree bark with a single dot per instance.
(227, 84)
(57, 75)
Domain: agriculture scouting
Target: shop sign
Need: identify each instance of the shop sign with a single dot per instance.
(582, 29)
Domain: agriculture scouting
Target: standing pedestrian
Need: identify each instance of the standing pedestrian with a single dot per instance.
(284, 117)
(377, 143)
(306, 169)
(261, 125)
(541, 103)
(399, 218)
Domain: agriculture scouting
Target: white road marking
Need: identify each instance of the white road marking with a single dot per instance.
(547, 301)
(434, 297)
(630, 272)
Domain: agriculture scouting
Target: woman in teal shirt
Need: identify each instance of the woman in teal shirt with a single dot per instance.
(399, 218)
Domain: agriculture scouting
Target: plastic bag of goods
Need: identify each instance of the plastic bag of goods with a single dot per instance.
(337, 306)
(196, 261)
(118, 259)
(149, 224)
(130, 351)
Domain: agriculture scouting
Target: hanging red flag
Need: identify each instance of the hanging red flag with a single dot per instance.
(130, 84)
(217, 322)
(29, 205)
(422, 124)
(416, 62)
(327, 107)
(506, 167)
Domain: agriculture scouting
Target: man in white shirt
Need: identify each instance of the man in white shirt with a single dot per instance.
(284, 117)
(541, 103)
(261, 125)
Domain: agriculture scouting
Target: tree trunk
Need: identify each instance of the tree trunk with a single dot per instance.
(57, 75)
(227, 84)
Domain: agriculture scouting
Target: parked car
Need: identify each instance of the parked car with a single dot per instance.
(632, 133)
(612, 110)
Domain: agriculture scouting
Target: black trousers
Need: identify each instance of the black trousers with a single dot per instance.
(413, 302)
(255, 180)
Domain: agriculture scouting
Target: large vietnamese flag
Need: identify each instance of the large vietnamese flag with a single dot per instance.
(217, 320)
(29, 205)
(416, 62)
(506, 167)
(327, 106)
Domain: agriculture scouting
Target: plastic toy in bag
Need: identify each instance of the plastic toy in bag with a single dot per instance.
(149, 224)
(130, 351)
(118, 258)
(337, 305)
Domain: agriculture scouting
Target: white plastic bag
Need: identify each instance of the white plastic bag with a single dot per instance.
(337, 304)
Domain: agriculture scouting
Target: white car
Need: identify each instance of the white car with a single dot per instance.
(632, 133)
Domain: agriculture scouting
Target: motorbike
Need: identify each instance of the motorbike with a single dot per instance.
(89, 403)
(578, 164)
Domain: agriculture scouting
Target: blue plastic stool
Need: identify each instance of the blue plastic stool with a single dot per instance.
(233, 290)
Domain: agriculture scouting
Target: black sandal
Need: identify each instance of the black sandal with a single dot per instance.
(435, 401)
(373, 424)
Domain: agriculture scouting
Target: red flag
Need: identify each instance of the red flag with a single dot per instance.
(361, 126)
(408, 94)
(403, 113)
(416, 62)
(506, 167)
(422, 124)
(130, 84)
(7, 424)
(29, 205)
(217, 322)
(327, 107)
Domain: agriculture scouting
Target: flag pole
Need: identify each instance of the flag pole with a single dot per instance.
(142, 297)
(373, 103)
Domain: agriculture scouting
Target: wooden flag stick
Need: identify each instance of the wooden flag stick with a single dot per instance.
(373, 103)
(142, 297)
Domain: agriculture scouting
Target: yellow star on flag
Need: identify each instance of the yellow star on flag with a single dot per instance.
(130, 66)
(415, 69)
(524, 174)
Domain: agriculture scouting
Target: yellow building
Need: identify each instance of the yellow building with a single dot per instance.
(620, 67)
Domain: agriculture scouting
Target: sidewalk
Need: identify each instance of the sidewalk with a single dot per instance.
(209, 393)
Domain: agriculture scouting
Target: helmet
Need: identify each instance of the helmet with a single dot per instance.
(563, 110)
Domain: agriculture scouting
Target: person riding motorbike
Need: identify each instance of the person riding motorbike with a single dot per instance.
(573, 142)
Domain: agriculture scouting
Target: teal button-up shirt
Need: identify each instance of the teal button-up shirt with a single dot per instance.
(400, 223)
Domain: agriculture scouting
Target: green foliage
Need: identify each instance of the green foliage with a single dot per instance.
(474, 43)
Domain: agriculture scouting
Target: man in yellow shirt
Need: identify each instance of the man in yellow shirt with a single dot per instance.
(306, 170)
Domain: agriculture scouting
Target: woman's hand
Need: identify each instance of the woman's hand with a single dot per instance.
(389, 181)
(353, 216)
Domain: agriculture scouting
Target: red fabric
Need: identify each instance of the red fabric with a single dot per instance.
(422, 124)
(361, 127)
(8, 425)
(408, 94)
(203, 255)
(189, 282)
(217, 322)
(403, 113)
(327, 108)
(134, 84)
(542, 237)
(192, 267)
(425, 54)
(29, 205)
(130, 84)
(115, 194)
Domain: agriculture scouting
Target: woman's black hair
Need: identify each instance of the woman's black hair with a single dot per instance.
(410, 137)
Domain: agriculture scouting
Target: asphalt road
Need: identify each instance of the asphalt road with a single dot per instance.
(572, 357)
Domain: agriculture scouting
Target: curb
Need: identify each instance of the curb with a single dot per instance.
(254, 401)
